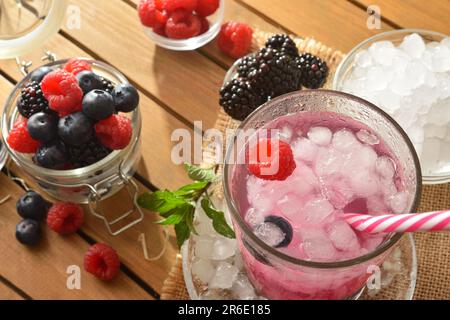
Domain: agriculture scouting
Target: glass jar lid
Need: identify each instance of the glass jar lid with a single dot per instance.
(27, 24)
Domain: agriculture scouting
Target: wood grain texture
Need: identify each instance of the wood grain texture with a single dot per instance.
(41, 271)
(431, 14)
(186, 82)
(7, 293)
(156, 165)
(339, 24)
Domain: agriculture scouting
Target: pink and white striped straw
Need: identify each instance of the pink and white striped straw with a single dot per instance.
(411, 222)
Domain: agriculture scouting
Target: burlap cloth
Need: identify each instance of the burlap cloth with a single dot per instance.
(433, 249)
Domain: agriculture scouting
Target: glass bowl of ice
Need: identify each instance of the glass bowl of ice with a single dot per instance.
(407, 74)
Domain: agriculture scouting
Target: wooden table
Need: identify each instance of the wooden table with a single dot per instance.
(176, 89)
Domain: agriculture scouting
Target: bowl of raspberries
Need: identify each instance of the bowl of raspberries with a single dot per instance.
(74, 127)
(181, 25)
(276, 69)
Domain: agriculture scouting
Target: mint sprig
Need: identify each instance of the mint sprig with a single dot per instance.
(178, 207)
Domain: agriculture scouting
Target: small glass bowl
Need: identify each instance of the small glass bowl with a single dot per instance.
(346, 66)
(3, 155)
(215, 21)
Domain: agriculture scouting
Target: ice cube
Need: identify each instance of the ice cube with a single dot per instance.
(329, 161)
(223, 248)
(305, 150)
(377, 79)
(270, 233)
(383, 52)
(342, 236)
(446, 42)
(389, 101)
(413, 45)
(434, 131)
(238, 262)
(211, 295)
(344, 140)
(286, 133)
(303, 179)
(203, 269)
(364, 183)
(224, 276)
(243, 289)
(203, 224)
(290, 206)
(363, 59)
(320, 135)
(376, 205)
(440, 58)
(337, 190)
(317, 210)
(253, 217)
(399, 202)
(319, 248)
(430, 154)
(367, 137)
(204, 247)
(385, 167)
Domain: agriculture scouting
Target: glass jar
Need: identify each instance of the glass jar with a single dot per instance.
(91, 184)
(26, 25)
(276, 275)
(215, 21)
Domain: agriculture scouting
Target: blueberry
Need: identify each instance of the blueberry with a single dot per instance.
(43, 126)
(89, 81)
(98, 105)
(126, 97)
(28, 232)
(284, 226)
(75, 129)
(52, 155)
(32, 206)
(39, 74)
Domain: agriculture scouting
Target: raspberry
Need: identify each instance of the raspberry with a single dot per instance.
(204, 25)
(277, 153)
(114, 132)
(65, 217)
(20, 140)
(150, 15)
(75, 66)
(102, 261)
(235, 39)
(62, 92)
(183, 25)
(161, 30)
(172, 5)
(206, 7)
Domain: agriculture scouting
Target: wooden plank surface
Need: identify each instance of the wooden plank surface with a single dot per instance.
(338, 24)
(430, 14)
(6, 293)
(41, 271)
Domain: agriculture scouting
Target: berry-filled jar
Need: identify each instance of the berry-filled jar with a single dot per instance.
(98, 167)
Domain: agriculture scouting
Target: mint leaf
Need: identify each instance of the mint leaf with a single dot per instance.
(182, 231)
(191, 189)
(177, 215)
(218, 218)
(161, 201)
(200, 174)
(190, 221)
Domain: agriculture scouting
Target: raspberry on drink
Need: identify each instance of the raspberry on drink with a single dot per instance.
(271, 160)
(102, 261)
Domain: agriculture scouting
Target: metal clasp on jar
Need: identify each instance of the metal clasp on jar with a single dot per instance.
(96, 196)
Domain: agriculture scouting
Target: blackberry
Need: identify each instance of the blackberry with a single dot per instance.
(87, 154)
(284, 44)
(276, 73)
(246, 65)
(314, 70)
(239, 98)
(108, 86)
(32, 100)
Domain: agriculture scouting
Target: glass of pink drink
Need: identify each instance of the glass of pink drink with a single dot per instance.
(350, 157)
